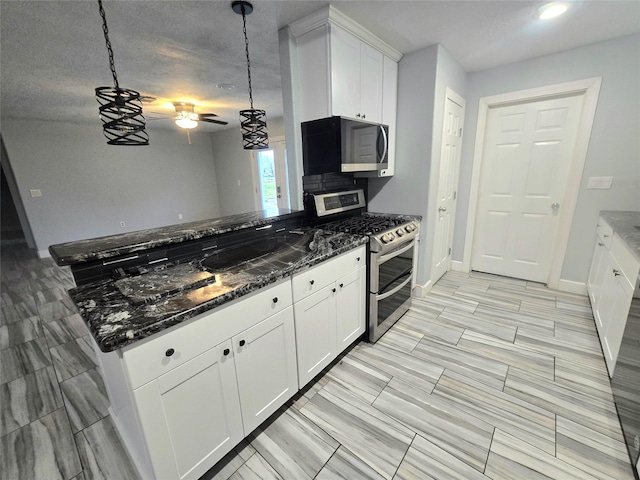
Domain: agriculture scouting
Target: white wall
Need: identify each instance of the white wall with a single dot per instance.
(88, 187)
(233, 165)
(614, 149)
(422, 80)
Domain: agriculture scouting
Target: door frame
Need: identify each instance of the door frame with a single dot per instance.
(452, 95)
(590, 88)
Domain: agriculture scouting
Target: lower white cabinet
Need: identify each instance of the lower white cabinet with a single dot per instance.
(191, 417)
(610, 284)
(330, 319)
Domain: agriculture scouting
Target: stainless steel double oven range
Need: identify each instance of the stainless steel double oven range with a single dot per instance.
(391, 253)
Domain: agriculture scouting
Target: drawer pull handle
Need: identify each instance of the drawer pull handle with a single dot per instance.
(275, 299)
(333, 290)
(606, 236)
(226, 352)
(616, 273)
(312, 282)
(169, 352)
(341, 285)
(242, 342)
(601, 244)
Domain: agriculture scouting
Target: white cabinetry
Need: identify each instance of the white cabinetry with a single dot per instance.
(610, 284)
(344, 70)
(329, 311)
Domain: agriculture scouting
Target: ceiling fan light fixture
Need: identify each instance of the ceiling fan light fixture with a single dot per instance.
(253, 122)
(552, 10)
(120, 108)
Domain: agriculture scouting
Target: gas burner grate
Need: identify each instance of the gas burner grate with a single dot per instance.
(364, 224)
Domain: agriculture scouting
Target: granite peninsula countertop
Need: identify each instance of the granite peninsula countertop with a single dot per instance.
(120, 313)
(624, 225)
(71, 253)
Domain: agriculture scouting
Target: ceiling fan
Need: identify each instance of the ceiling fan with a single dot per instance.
(187, 118)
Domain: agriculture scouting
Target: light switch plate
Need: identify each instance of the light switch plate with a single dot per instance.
(35, 192)
(600, 182)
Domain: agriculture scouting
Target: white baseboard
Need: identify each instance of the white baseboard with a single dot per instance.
(421, 291)
(456, 266)
(43, 254)
(572, 287)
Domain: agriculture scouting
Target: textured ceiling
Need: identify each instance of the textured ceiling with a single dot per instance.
(53, 53)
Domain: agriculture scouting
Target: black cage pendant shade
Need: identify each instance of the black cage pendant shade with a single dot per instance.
(253, 123)
(120, 108)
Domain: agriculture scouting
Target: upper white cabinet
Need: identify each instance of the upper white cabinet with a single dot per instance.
(343, 69)
(356, 77)
(610, 284)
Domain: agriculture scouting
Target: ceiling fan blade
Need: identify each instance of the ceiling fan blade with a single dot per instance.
(201, 115)
(211, 120)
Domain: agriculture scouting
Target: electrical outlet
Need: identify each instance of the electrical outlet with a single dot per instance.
(122, 224)
(35, 192)
(179, 216)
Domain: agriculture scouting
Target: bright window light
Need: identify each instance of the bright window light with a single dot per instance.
(551, 10)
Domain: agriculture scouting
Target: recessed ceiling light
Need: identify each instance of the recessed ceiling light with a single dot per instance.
(226, 86)
(551, 10)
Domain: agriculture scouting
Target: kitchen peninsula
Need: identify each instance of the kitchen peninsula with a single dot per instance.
(204, 330)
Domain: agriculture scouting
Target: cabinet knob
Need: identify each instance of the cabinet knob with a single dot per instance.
(242, 342)
(169, 352)
(312, 282)
(275, 299)
(601, 244)
(606, 236)
(226, 352)
(357, 259)
(357, 115)
(616, 273)
(341, 285)
(333, 290)
(364, 116)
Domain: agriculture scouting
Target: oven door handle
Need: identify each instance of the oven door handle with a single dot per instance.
(395, 290)
(395, 253)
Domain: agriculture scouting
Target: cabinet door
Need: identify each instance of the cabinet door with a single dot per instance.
(600, 290)
(190, 416)
(315, 319)
(596, 264)
(345, 73)
(350, 308)
(371, 72)
(265, 357)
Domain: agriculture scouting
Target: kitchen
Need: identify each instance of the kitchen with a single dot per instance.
(70, 188)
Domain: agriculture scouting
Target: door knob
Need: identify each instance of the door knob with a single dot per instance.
(555, 206)
(442, 209)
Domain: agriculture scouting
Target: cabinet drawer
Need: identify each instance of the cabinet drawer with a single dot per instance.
(169, 349)
(310, 281)
(605, 232)
(628, 264)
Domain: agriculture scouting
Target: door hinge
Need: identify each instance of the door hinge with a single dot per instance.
(455, 194)
(449, 251)
(460, 133)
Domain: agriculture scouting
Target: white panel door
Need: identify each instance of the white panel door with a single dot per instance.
(315, 320)
(527, 152)
(447, 184)
(265, 357)
(350, 308)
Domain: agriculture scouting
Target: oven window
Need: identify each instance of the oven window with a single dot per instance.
(390, 304)
(394, 271)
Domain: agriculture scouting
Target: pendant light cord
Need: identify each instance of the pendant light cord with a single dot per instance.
(112, 65)
(246, 46)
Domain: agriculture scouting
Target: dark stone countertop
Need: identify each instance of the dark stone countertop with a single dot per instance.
(71, 253)
(624, 225)
(121, 312)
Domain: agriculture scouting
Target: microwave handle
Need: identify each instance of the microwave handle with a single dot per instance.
(386, 144)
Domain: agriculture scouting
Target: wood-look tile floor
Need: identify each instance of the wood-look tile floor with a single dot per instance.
(486, 377)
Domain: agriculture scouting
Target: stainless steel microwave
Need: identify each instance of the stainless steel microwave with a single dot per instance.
(338, 144)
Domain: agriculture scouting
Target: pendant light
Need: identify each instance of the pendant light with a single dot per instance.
(253, 123)
(120, 109)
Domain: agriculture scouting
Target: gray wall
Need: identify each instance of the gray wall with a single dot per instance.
(233, 164)
(422, 79)
(614, 148)
(88, 187)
